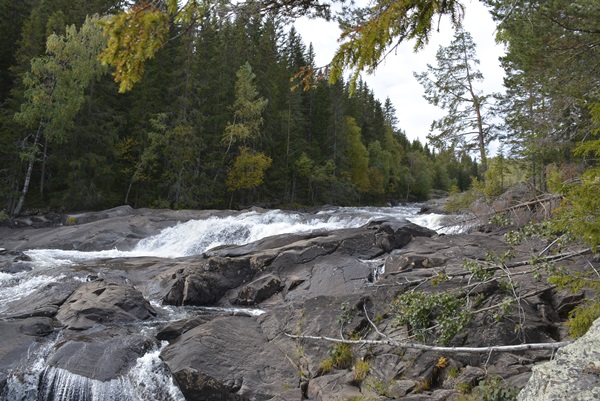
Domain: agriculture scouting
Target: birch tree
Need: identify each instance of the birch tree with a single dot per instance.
(55, 92)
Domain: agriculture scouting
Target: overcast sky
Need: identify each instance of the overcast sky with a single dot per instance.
(394, 78)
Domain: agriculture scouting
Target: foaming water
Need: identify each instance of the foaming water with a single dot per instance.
(23, 385)
(197, 236)
(147, 380)
(17, 286)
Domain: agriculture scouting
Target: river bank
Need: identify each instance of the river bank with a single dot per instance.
(239, 322)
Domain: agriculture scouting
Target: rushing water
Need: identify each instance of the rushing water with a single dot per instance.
(149, 378)
(196, 236)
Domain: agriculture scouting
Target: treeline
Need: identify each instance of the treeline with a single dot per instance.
(221, 118)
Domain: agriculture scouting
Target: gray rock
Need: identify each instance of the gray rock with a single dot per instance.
(258, 291)
(574, 373)
(226, 359)
(13, 261)
(172, 330)
(20, 339)
(100, 355)
(333, 387)
(103, 303)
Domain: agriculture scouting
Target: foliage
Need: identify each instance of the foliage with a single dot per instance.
(583, 315)
(55, 92)
(374, 31)
(361, 370)
(339, 356)
(422, 311)
(325, 146)
(247, 170)
(247, 109)
(495, 389)
(134, 36)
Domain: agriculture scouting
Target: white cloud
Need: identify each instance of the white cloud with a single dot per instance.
(394, 78)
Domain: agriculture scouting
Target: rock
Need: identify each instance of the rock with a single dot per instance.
(102, 355)
(172, 330)
(316, 284)
(44, 301)
(225, 359)
(399, 388)
(396, 234)
(20, 340)
(573, 374)
(12, 262)
(333, 387)
(407, 262)
(103, 303)
(435, 206)
(258, 291)
(469, 376)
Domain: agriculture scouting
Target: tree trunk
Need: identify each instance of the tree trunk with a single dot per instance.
(19, 206)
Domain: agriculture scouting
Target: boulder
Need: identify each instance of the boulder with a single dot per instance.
(13, 261)
(573, 374)
(99, 355)
(20, 339)
(104, 303)
(258, 291)
(229, 358)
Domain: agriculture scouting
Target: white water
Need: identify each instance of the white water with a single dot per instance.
(197, 236)
(148, 380)
(17, 286)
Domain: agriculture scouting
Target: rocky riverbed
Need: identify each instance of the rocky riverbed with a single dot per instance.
(247, 322)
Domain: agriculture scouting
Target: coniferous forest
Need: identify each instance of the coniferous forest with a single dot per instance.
(204, 104)
(220, 119)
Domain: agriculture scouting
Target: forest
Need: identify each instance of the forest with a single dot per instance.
(219, 105)
(219, 119)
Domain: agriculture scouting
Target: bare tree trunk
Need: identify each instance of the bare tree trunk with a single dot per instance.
(44, 156)
(480, 132)
(19, 206)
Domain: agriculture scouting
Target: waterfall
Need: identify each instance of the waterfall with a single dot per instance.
(148, 380)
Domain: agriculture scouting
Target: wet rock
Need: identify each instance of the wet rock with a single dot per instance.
(21, 338)
(45, 301)
(172, 330)
(12, 262)
(103, 303)
(100, 355)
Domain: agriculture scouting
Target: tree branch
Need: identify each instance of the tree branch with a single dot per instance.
(424, 347)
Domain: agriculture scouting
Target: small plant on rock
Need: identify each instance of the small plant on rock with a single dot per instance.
(495, 389)
(338, 357)
(361, 370)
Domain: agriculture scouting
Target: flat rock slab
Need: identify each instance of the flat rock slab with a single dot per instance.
(224, 359)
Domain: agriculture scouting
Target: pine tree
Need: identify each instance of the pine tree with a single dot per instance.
(452, 85)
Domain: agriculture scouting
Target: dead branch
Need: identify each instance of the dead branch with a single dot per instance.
(424, 347)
